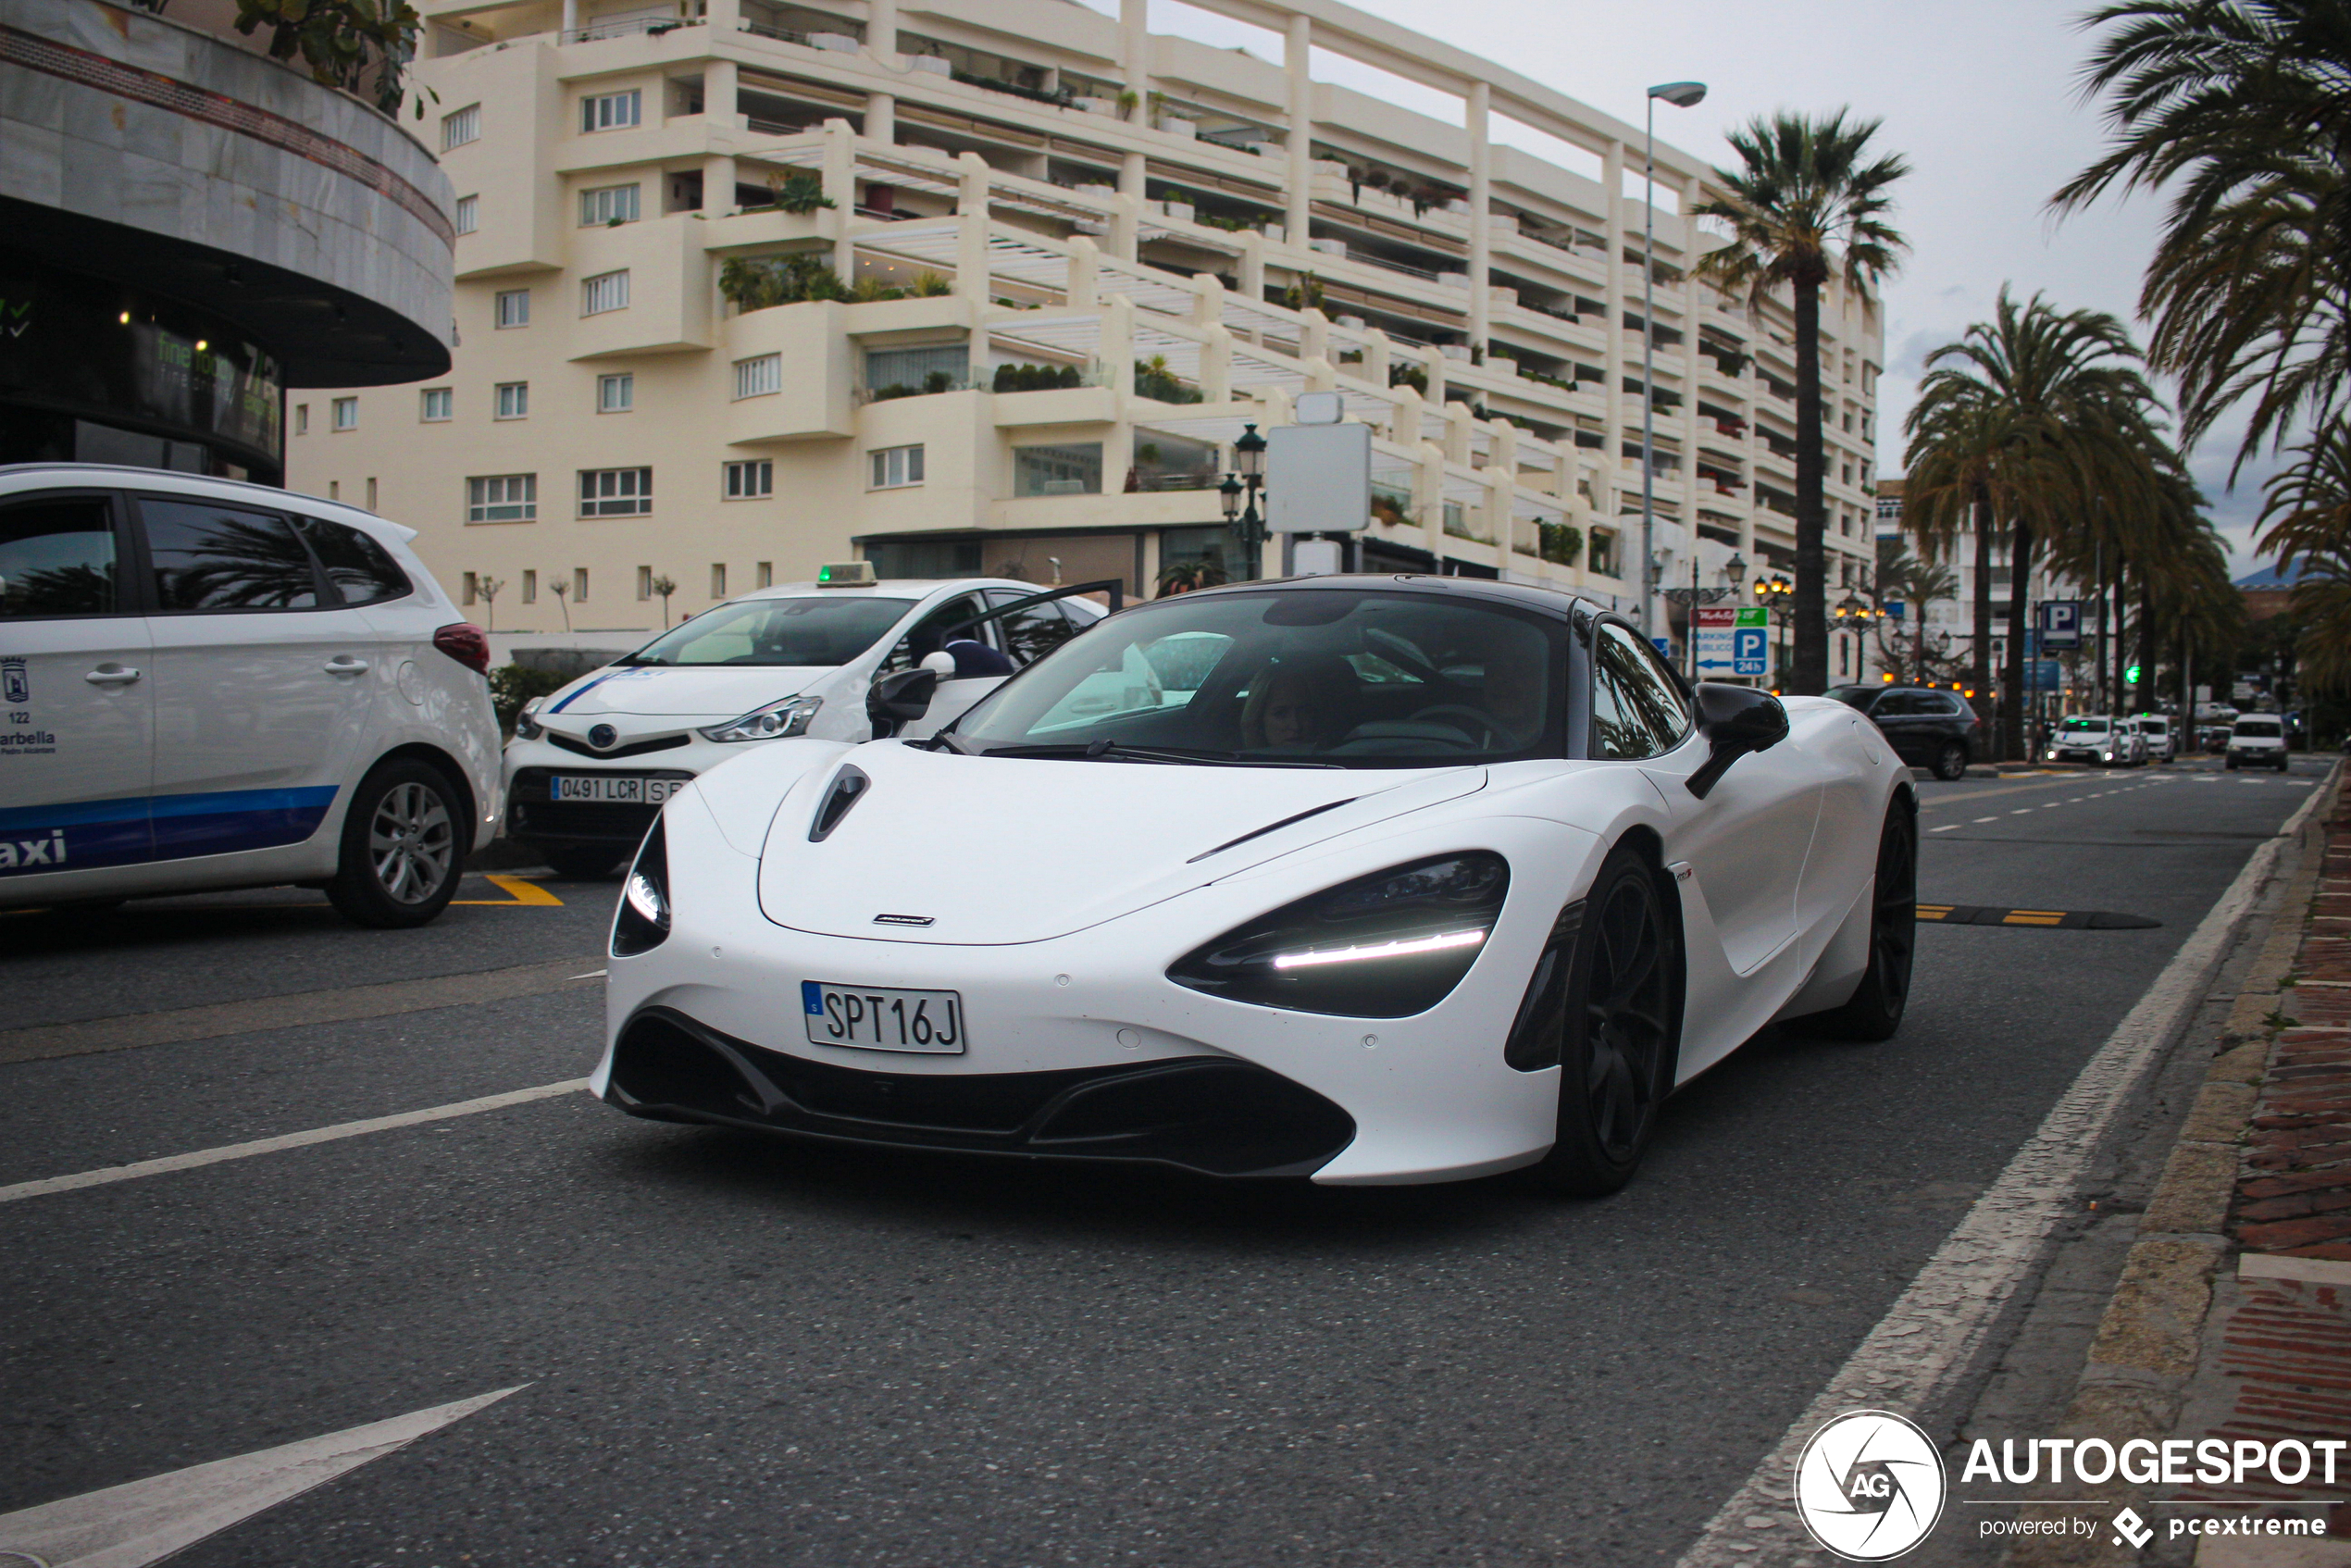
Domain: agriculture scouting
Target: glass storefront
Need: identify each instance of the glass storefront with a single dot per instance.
(99, 372)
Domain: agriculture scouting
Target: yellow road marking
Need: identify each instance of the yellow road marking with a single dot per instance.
(524, 891)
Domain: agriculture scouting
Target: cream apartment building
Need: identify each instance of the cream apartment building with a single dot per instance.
(1085, 258)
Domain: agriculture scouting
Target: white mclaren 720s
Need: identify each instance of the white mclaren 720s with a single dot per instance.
(1365, 880)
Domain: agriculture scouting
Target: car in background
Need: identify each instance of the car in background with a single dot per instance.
(2095, 738)
(2257, 740)
(589, 765)
(1927, 728)
(210, 684)
(2162, 744)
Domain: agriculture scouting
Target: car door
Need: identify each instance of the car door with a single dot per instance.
(262, 686)
(1902, 717)
(77, 697)
(1745, 841)
(1024, 627)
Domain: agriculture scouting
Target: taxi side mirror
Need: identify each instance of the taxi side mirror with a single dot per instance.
(1736, 720)
(898, 700)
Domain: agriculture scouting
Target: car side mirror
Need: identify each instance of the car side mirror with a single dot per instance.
(1736, 720)
(898, 700)
(941, 663)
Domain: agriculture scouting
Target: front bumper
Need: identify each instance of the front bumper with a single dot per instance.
(1079, 1046)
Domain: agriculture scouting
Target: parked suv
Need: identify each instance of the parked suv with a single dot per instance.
(211, 684)
(2257, 740)
(1926, 728)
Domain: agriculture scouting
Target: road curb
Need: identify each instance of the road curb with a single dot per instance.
(2147, 1350)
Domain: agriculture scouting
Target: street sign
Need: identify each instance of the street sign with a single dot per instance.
(1894, 608)
(1664, 646)
(1318, 479)
(2040, 675)
(1732, 641)
(2060, 624)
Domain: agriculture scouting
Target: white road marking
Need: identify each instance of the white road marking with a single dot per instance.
(1987, 819)
(1933, 1332)
(285, 1140)
(1949, 826)
(592, 975)
(144, 1522)
(2021, 810)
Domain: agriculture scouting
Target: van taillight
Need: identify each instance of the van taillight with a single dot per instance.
(467, 643)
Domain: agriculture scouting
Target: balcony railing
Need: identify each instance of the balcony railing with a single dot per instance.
(625, 28)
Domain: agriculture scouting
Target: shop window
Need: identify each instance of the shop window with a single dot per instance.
(1057, 471)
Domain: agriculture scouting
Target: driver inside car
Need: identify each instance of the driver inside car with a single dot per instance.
(1299, 704)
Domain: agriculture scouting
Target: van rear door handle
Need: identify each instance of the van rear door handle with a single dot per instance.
(111, 675)
(345, 664)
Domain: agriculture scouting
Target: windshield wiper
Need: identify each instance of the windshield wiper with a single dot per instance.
(1117, 750)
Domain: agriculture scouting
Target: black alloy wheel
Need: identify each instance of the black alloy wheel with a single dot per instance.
(1875, 1011)
(1950, 762)
(1622, 1031)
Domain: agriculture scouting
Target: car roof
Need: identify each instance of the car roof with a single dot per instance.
(1547, 601)
(129, 477)
(888, 587)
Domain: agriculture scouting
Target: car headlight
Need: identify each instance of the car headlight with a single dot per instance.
(641, 923)
(777, 721)
(527, 724)
(1384, 946)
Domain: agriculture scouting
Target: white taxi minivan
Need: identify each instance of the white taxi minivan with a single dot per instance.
(590, 765)
(210, 684)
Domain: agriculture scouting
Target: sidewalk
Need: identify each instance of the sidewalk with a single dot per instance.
(2232, 1319)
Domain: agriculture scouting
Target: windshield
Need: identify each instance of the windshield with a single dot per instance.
(813, 630)
(2082, 726)
(1334, 677)
(2261, 728)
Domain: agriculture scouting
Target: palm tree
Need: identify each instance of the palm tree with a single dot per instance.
(1809, 204)
(2038, 419)
(2238, 109)
(2307, 517)
(1918, 583)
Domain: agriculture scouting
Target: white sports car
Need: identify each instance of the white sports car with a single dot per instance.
(1384, 880)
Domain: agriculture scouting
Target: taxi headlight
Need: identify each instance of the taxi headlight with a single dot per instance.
(641, 923)
(1384, 946)
(527, 724)
(777, 721)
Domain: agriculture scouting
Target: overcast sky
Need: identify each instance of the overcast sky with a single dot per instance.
(1979, 96)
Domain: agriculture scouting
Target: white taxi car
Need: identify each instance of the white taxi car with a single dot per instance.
(2097, 739)
(590, 767)
(211, 684)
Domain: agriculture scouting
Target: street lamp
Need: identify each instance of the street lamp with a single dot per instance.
(1249, 459)
(1693, 596)
(1683, 95)
(1771, 593)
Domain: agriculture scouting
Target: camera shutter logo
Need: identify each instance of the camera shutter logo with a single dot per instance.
(14, 685)
(1870, 1485)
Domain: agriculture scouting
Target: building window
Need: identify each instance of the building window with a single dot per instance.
(607, 204)
(766, 574)
(334, 490)
(718, 580)
(372, 493)
(615, 395)
(468, 214)
(612, 111)
(605, 291)
(346, 414)
(751, 479)
(513, 307)
(531, 588)
(1601, 554)
(580, 585)
(514, 400)
(472, 593)
(503, 498)
(757, 377)
(897, 466)
(902, 372)
(615, 493)
(1057, 471)
(438, 402)
(461, 127)
(302, 418)
(644, 583)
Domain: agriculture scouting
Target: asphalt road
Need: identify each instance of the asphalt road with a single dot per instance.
(745, 1352)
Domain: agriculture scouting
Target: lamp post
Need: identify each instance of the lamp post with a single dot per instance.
(1681, 94)
(1248, 460)
(1771, 593)
(1857, 614)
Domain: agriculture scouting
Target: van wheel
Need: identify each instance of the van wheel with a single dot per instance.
(403, 847)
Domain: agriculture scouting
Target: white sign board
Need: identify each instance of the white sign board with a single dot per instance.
(1318, 479)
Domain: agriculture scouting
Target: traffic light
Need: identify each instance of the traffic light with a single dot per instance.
(2131, 675)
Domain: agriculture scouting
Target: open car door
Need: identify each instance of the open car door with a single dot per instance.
(1028, 625)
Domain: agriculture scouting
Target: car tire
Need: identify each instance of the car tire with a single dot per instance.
(404, 847)
(581, 862)
(1620, 1033)
(1951, 763)
(1875, 1008)
(2229, 766)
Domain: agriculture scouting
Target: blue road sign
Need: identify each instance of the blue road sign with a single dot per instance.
(2061, 623)
(1750, 651)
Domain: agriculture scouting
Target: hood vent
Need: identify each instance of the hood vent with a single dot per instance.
(1269, 828)
(849, 786)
